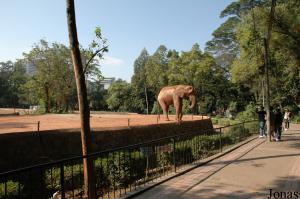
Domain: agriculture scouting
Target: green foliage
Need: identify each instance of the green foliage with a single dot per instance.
(232, 110)
(138, 81)
(121, 97)
(12, 189)
(224, 45)
(296, 119)
(249, 114)
(53, 79)
(224, 121)
(284, 50)
(12, 77)
(164, 159)
(118, 93)
(156, 108)
(191, 67)
(119, 170)
(156, 67)
(45, 77)
(97, 96)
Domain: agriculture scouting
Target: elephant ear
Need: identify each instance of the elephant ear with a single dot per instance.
(180, 92)
(190, 89)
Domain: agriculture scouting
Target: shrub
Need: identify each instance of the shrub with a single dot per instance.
(214, 120)
(232, 110)
(295, 119)
(248, 114)
(124, 169)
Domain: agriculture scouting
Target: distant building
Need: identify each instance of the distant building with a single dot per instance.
(30, 68)
(106, 82)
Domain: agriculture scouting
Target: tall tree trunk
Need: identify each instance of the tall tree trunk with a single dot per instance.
(86, 141)
(267, 65)
(147, 103)
(47, 100)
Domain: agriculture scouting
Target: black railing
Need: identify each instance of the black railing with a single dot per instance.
(123, 169)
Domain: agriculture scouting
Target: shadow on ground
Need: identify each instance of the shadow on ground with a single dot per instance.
(283, 186)
(16, 125)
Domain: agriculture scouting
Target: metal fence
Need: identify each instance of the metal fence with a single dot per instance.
(121, 170)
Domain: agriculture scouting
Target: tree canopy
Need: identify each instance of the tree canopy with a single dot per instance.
(229, 71)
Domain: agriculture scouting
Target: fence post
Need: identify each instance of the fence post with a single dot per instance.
(62, 181)
(38, 126)
(220, 139)
(174, 155)
(128, 122)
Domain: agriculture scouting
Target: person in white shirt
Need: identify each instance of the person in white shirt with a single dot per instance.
(286, 119)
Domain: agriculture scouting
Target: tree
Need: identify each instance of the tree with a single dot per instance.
(121, 97)
(156, 76)
(97, 96)
(17, 79)
(39, 57)
(224, 45)
(138, 80)
(96, 49)
(284, 73)
(175, 75)
(52, 79)
(156, 68)
(86, 138)
(12, 78)
(6, 69)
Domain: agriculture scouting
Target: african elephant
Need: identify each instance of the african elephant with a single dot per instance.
(173, 95)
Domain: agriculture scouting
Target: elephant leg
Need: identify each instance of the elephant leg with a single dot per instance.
(181, 116)
(178, 108)
(165, 109)
(167, 113)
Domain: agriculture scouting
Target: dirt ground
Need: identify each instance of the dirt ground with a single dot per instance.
(21, 123)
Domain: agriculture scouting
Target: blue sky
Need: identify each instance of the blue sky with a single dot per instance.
(129, 26)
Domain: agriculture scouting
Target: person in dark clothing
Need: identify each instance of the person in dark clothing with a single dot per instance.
(262, 121)
(278, 116)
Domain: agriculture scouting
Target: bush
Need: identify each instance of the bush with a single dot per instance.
(124, 170)
(236, 133)
(224, 121)
(181, 152)
(205, 146)
(295, 119)
(249, 113)
(156, 109)
(232, 110)
(214, 120)
(11, 188)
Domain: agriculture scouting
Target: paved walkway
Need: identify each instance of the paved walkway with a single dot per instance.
(248, 172)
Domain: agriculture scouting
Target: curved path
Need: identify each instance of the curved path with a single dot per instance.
(252, 171)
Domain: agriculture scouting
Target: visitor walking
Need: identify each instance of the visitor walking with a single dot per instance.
(278, 124)
(262, 121)
(287, 119)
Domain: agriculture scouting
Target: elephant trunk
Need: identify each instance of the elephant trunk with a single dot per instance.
(192, 99)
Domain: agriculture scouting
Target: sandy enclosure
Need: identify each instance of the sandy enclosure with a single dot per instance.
(15, 123)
